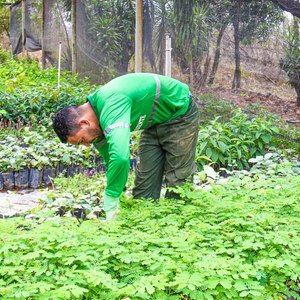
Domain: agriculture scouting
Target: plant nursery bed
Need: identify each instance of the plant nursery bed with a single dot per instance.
(236, 240)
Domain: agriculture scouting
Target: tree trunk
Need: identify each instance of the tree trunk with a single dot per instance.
(297, 89)
(291, 6)
(148, 20)
(205, 71)
(217, 56)
(191, 72)
(122, 67)
(236, 83)
(297, 35)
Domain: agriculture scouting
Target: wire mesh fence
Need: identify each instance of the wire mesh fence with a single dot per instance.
(46, 25)
(98, 38)
(103, 33)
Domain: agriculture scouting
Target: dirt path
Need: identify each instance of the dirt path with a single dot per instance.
(14, 203)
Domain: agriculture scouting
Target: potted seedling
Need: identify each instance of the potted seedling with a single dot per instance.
(19, 164)
(35, 175)
(6, 158)
(8, 180)
(1, 182)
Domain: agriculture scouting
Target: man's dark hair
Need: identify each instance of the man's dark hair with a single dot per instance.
(65, 122)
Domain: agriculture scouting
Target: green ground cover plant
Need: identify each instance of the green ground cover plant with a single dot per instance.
(239, 239)
(84, 193)
(229, 238)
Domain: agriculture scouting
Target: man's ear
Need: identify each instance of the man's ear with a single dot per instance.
(84, 123)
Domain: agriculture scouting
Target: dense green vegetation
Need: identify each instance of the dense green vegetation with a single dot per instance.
(233, 143)
(238, 239)
(29, 94)
(85, 193)
(23, 148)
(219, 117)
(228, 138)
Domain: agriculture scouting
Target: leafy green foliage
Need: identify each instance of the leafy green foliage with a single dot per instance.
(238, 240)
(288, 137)
(291, 62)
(39, 148)
(258, 20)
(233, 143)
(29, 149)
(111, 30)
(262, 167)
(271, 164)
(80, 193)
(30, 94)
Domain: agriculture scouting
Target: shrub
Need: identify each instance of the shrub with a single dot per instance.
(30, 94)
(212, 107)
(233, 143)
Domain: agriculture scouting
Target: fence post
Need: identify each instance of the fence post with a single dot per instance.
(139, 36)
(43, 35)
(74, 38)
(168, 56)
(23, 28)
(11, 47)
(59, 65)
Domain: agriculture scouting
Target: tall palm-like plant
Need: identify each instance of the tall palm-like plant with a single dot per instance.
(148, 24)
(185, 21)
(156, 25)
(112, 28)
(191, 32)
(4, 20)
(108, 41)
(161, 27)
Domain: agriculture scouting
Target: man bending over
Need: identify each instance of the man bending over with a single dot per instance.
(160, 106)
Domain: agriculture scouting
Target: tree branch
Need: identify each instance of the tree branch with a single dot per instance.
(291, 6)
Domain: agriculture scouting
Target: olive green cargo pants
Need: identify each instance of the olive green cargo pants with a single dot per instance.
(167, 149)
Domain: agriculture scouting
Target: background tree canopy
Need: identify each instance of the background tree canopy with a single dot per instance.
(197, 28)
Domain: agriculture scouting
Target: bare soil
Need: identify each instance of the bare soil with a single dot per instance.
(286, 108)
(263, 81)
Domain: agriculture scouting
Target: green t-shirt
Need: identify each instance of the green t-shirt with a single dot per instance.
(132, 102)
